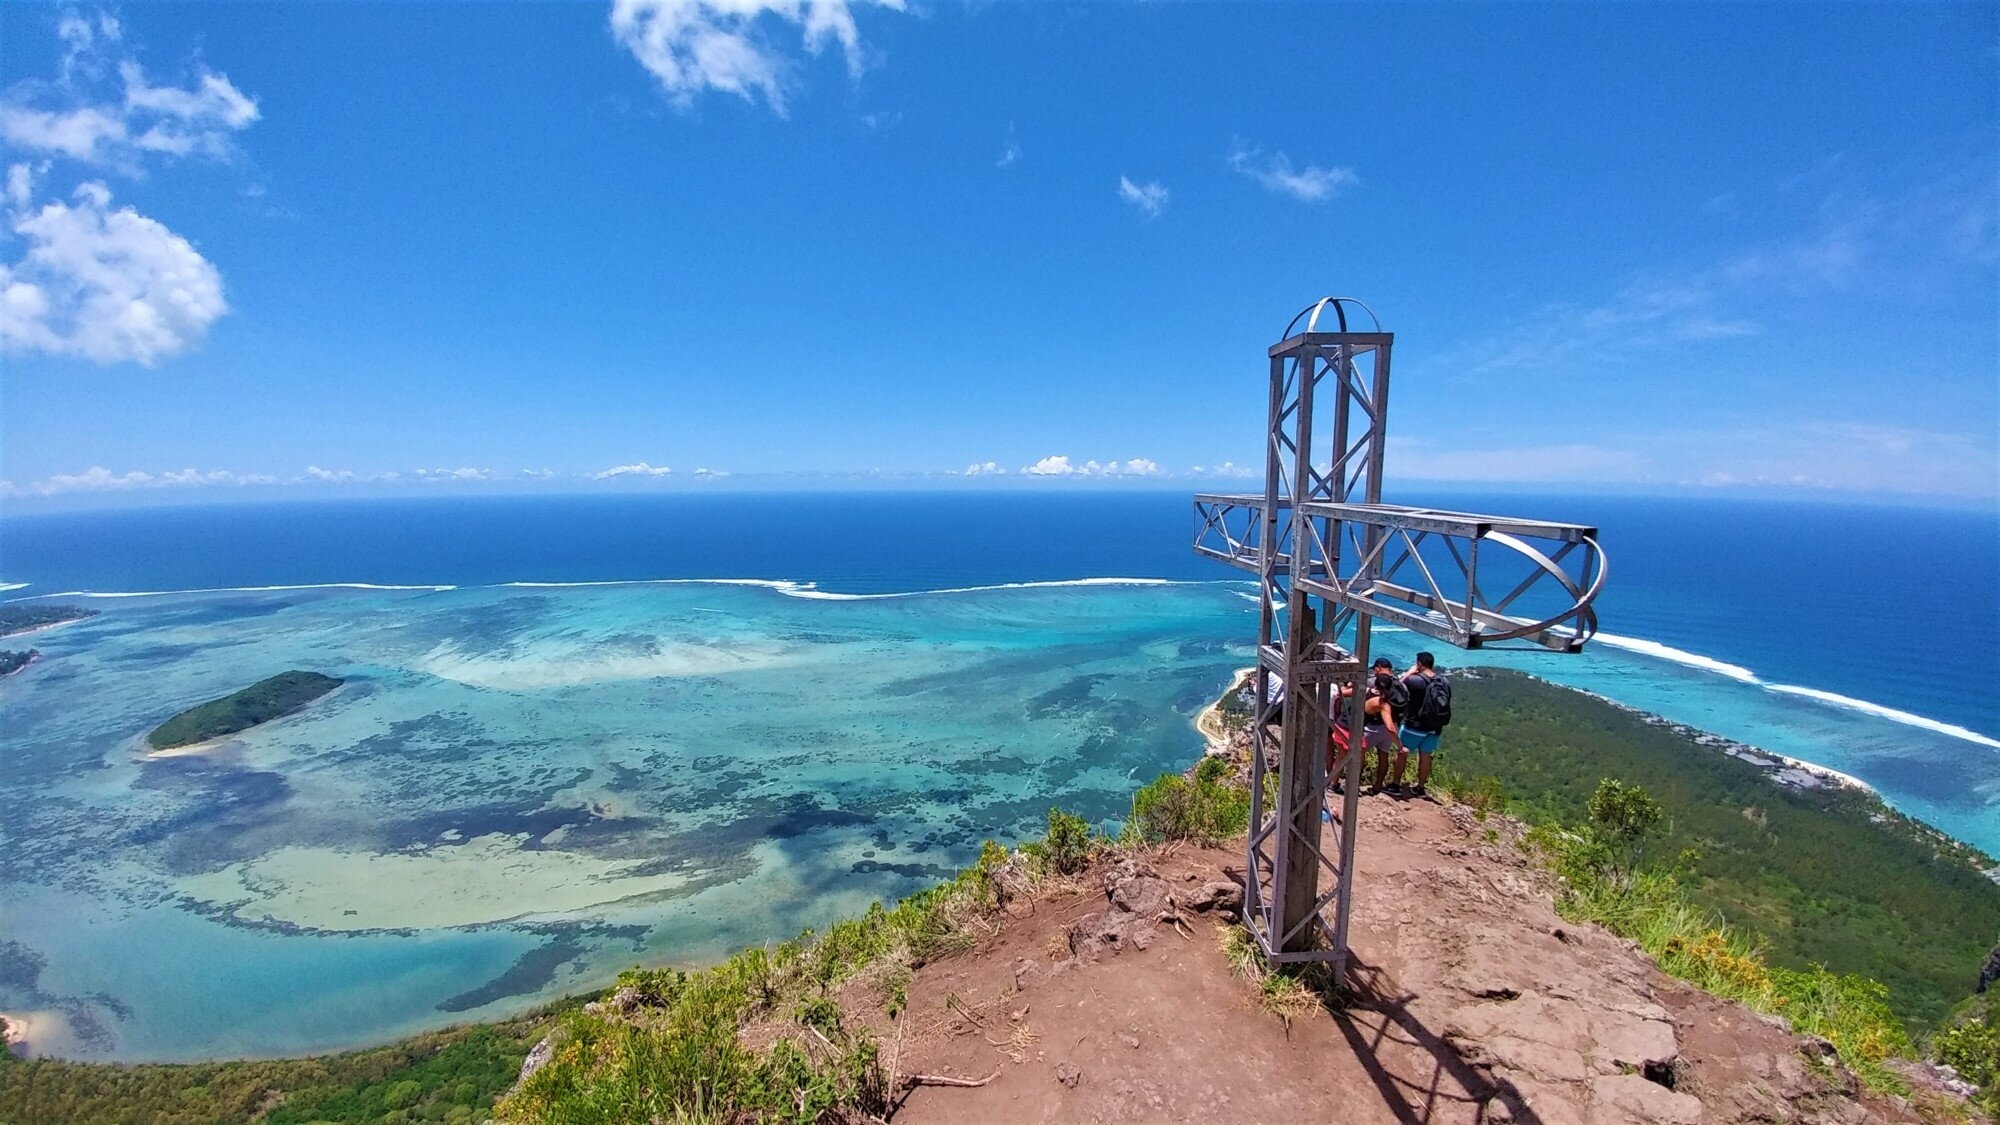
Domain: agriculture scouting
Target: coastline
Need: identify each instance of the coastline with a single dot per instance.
(32, 630)
(1796, 773)
(1208, 720)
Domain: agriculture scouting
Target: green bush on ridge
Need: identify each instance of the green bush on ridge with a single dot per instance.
(679, 1054)
(1204, 809)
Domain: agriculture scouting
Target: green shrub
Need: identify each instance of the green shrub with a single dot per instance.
(1174, 808)
(1623, 816)
(1067, 847)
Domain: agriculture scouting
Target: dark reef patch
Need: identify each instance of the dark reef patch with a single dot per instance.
(529, 973)
(906, 870)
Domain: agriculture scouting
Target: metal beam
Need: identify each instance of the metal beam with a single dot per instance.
(1328, 554)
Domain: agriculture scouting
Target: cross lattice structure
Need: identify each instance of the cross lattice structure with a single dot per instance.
(1331, 561)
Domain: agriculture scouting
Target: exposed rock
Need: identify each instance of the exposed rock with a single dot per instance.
(538, 1057)
(1226, 897)
(1139, 899)
(1068, 1075)
(1630, 1097)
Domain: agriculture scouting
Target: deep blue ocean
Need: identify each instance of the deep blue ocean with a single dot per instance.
(581, 732)
(1896, 606)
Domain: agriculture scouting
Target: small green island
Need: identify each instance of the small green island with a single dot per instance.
(267, 699)
(18, 618)
(12, 662)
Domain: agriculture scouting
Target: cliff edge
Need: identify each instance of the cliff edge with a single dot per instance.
(1116, 998)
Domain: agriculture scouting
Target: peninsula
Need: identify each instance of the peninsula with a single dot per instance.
(19, 618)
(267, 699)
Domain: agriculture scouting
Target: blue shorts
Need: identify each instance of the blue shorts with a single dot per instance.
(1423, 742)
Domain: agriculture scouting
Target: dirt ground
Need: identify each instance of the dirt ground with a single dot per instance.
(1474, 1002)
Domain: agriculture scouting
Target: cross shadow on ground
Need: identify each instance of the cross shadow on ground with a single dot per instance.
(1420, 1076)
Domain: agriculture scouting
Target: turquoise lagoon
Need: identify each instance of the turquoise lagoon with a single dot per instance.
(522, 789)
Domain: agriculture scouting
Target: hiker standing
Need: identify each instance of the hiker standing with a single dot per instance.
(1426, 712)
(1378, 725)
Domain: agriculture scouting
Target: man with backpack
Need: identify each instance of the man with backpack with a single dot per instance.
(1426, 711)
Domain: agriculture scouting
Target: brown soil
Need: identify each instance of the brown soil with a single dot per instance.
(1473, 1002)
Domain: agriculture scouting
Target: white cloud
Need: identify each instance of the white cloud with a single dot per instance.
(985, 469)
(1226, 470)
(539, 474)
(1011, 154)
(637, 469)
(1061, 466)
(1915, 241)
(692, 46)
(87, 118)
(1149, 198)
(1311, 184)
(20, 185)
(100, 479)
(314, 472)
(107, 285)
(463, 474)
(710, 473)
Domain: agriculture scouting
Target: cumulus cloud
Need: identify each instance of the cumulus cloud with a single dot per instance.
(692, 46)
(108, 285)
(463, 474)
(86, 116)
(636, 469)
(1061, 466)
(100, 479)
(1310, 184)
(710, 473)
(1224, 470)
(1149, 198)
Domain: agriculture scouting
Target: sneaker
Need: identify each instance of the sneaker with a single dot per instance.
(1393, 789)
(1417, 791)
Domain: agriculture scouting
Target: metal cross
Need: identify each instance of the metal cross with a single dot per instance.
(1329, 557)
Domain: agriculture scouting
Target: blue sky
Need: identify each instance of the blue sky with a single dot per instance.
(256, 249)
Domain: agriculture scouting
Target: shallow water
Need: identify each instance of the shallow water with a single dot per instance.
(521, 789)
(518, 791)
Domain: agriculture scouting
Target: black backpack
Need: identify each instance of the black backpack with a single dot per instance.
(1434, 713)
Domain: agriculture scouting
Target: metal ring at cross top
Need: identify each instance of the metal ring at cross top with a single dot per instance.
(1310, 314)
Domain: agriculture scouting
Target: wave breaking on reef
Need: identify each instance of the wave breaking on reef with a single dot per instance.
(1641, 646)
(1833, 699)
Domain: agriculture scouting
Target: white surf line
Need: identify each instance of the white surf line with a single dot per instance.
(1889, 713)
(6, 586)
(1832, 699)
(808, 590)
(1679, 656)
(767, 583)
